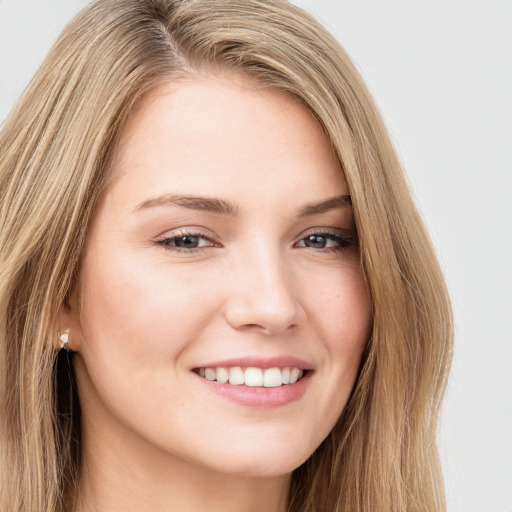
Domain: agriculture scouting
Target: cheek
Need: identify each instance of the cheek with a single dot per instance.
(138, 318)
(342, 308)
(343, 315)
(139, 312)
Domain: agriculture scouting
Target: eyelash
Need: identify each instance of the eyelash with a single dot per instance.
(344, 242)
(167, 245)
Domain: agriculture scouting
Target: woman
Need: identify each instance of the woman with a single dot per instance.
(215, 289)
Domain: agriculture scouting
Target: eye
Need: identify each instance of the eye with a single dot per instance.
(186, 242)
(326, 241)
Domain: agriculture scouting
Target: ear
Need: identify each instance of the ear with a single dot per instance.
(69, 328)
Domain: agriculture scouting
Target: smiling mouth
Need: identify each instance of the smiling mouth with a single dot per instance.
(252, 376)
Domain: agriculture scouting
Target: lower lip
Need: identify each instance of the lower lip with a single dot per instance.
(260, 396)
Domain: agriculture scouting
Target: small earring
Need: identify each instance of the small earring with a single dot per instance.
(64, 339)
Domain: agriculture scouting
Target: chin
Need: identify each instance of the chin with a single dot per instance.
(263, 464)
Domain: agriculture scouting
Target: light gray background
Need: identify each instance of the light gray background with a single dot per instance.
(441, 71)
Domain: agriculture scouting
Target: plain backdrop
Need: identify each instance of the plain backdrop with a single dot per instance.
(441, 72)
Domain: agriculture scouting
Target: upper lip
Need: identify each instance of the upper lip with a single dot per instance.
(260, 362)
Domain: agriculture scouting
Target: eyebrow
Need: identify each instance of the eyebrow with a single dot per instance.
(327, 205)
(220, 206)
(207, 204)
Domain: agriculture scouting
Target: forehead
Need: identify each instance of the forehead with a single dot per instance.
(223, 135)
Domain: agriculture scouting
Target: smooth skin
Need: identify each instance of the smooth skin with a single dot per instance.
(167, 288)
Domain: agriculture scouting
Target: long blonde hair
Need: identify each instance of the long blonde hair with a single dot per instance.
(55, 150)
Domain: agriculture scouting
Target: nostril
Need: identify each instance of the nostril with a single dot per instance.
(267, 328)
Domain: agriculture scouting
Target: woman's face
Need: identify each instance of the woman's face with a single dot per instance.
(225, 242)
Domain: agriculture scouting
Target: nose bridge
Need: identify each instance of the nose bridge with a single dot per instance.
(265, 295)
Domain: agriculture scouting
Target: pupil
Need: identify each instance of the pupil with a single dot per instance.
(187, 241)
(316, 241)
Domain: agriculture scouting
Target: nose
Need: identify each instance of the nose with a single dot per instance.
(264, 296)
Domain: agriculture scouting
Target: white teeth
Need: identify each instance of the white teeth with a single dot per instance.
(272, 378)
(210, 373)
(252, 376)
(294, 375)
(222, 375)
(236, 376)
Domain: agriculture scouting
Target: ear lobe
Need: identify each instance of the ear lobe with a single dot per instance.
(64, 339)
(69, 329)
